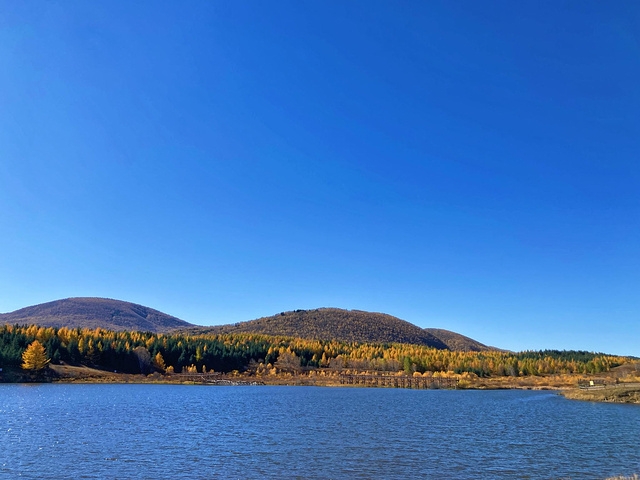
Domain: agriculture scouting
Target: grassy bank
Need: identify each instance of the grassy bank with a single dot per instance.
(624, 383)
(83, 374)
(612, 394)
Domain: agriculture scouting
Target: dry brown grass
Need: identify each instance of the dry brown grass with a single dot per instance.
(82, 374)
(548, 382)
(613, 394)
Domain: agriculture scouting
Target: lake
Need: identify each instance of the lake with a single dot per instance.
(256, 432)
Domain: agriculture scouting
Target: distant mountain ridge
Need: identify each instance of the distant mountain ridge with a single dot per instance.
(89, 312)
(318, 324)
(349, 326)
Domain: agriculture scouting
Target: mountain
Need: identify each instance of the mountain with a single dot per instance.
(93, 313)
(319, 324)
(336, 324)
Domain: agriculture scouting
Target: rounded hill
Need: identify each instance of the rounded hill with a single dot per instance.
(336, 324)
(87, 312)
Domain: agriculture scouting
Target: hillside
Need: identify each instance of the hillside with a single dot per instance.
(319, 324)
(335, 324)
(93, 313)
(457, 342)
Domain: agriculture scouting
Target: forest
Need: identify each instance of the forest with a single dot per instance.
(146, 352)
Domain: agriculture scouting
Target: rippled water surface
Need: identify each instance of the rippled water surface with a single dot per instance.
(206, 432)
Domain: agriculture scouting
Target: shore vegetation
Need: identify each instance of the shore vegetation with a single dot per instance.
(278, 357)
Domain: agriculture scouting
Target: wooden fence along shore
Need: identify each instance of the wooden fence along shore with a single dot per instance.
(214, 377)
(398, 381)
(344, 378)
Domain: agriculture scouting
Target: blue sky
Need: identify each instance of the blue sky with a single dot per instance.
(471, 166)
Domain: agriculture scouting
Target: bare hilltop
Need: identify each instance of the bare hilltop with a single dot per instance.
(90, 312)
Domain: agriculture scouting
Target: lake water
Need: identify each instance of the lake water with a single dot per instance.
(209, 432)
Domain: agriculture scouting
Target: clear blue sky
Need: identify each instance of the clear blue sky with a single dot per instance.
(470, 165)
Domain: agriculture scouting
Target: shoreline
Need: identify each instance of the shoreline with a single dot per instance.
(620, 393)
(561, 384)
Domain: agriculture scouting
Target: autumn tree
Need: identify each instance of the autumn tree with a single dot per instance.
(288, 361)
(137, 352)
(158, 362)
(34, 357)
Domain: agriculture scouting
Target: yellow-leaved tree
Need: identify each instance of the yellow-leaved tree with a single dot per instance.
(34, 358)
(158, 362)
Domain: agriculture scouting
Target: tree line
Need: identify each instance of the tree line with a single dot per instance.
(146, 352)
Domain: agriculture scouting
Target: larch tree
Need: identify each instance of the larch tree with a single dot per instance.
(34, 358)
(158, 362)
